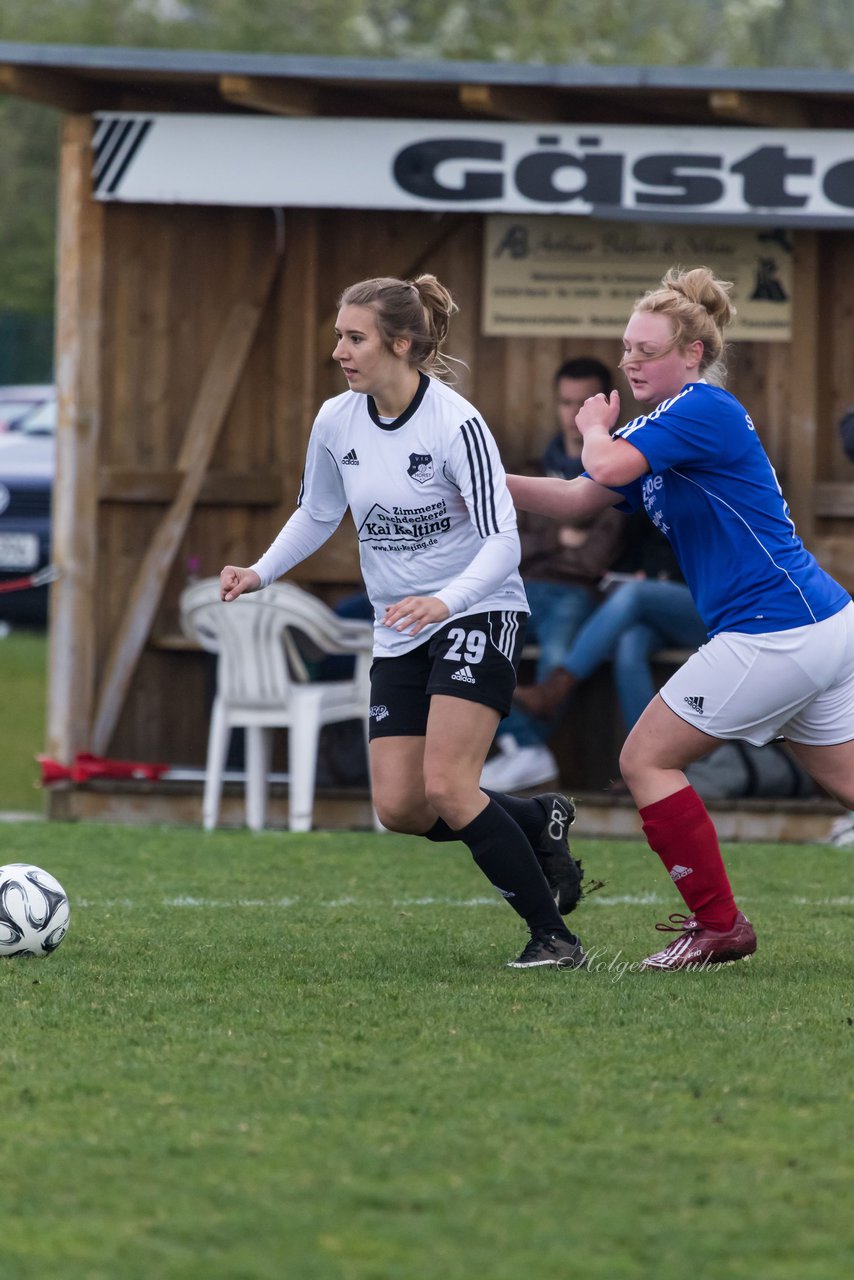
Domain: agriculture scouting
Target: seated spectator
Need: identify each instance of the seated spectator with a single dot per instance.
(842, 832)
(561, 566)
(647, 608)
(846, 433)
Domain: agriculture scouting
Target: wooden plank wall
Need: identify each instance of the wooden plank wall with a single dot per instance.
(170, 275)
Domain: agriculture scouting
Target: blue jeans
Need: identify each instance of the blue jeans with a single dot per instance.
(633, 621)
(557, 612)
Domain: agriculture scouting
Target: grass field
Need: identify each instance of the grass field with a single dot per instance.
(301, 1056)
(23, 658)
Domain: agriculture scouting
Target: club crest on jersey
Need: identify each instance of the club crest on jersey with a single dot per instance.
(420, 467)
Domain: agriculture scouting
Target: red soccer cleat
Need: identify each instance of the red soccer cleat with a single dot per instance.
(699, 948)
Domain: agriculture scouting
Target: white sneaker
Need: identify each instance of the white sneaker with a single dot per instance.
(494, 768)
(842, 832)
(518, 768)
(491, 774)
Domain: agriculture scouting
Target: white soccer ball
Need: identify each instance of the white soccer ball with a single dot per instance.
(34, 911)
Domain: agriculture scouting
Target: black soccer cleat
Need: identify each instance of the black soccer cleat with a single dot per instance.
(547, 950)
(563, 872)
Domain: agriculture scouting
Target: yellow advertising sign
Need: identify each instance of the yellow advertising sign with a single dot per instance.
(559, 277)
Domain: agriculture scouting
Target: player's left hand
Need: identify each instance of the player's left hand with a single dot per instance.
(599, 411)
(413, 613)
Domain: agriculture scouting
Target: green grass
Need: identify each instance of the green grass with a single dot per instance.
(301, 1056)
(23, 658)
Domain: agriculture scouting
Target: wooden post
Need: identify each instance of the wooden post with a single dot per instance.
(78, 376)
(804, 383)
(213, 399)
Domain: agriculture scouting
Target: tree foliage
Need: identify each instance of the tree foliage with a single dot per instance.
(807, 33)
(748, 33)
(28, 160)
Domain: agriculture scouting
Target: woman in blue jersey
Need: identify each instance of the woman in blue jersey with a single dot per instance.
(439, 552)
(780, 658)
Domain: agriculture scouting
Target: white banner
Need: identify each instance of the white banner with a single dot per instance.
(776, 177)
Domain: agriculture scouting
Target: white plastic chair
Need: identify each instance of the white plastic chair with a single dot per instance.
(263, 683)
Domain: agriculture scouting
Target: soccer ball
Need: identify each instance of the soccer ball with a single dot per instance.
(34, 911)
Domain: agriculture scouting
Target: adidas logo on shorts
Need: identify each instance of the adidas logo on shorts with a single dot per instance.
(465, 675)
(696, 704)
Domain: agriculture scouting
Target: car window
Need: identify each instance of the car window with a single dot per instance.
(40, 421)
(12, 410)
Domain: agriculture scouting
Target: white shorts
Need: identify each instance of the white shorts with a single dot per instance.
(797, 684)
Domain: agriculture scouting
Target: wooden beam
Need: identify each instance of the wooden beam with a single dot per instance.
(512, 104)
(277, 97)
(219, 489)
(79, 337)
(765, 110)
(214, 396)
(805, 383)
(51, 88)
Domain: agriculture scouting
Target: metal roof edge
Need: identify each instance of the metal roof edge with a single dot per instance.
(307, 66)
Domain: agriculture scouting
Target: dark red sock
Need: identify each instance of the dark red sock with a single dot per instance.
(681, 832)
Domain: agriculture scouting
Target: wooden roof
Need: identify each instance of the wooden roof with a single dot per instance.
(84, 78)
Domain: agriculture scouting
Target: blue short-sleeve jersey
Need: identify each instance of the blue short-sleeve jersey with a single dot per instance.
(712, 491)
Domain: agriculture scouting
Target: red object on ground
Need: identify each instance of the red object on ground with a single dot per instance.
(40, 579)
(86, 767)
(52, 771)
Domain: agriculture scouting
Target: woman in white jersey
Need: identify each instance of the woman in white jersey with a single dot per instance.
(780, 658)
(421, 475)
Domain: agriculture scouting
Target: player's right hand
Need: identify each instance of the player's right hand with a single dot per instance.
(233, 581)
(599, 411)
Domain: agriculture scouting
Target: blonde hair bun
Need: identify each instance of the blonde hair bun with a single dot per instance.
(699, 308)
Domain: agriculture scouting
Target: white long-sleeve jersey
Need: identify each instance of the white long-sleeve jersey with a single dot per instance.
(429, 501)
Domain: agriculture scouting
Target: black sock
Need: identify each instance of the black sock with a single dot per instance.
(527, 811)
(504, 854)
(441, 832)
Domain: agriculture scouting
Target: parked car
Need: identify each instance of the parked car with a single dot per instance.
(26, 484)
(39, 421)
(17, 402)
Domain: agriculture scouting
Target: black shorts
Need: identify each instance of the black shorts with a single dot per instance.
(474, 658)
